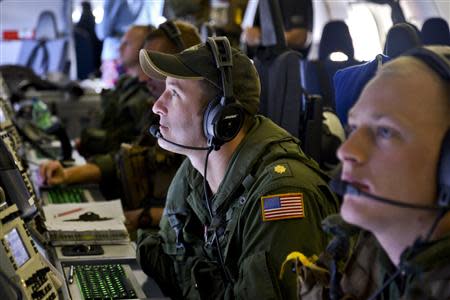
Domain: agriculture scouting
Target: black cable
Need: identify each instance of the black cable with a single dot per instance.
(392, 278)
(208, 206)
(440, 215)
(16, 289)
(205, 187)
(33, 143)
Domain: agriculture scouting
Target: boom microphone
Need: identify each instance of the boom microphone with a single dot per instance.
(154, 131)
(342, 187)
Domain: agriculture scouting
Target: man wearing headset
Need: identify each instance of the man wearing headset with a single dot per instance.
(104, 168)
(124, 106)
(246, 194)
(396, 185)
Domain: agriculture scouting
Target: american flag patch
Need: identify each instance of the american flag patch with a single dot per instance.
(282, 206)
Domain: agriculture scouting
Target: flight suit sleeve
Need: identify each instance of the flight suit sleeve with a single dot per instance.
(267, 241)
(153, 249)
(157, 264)
(107, 165)
(265, 244)
(109, 185)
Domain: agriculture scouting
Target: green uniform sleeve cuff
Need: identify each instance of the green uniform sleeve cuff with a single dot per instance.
(107, 166)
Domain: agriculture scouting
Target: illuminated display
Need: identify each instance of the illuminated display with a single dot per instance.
(17, 247)
(2, 115)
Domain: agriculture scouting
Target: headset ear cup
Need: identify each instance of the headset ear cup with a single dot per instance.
(222, 123)
(208, 117)
(228, 122)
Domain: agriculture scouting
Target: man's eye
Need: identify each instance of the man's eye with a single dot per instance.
(384, 132)
(174, 93)
(349, 129)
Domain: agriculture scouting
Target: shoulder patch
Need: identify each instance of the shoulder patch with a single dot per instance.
(282, 206)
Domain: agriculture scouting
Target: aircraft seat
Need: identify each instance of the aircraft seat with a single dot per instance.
(400, 38)
(349, 82)
(435, 31)
(281, 90)
(317, 74)
(46, 26)
(283, 99)
(279, 71)
(84, 51)
(48, 52)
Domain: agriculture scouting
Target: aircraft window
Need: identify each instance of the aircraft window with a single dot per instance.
(420, 11)
(98, 14)
(368, 25)
(338, 56)
(151, 11)
(97, 11)
(76, 15)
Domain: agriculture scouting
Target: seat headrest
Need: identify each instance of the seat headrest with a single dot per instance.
(335, 38)
(349, 83)
(400, 38)
(46, 26)
(435, 31)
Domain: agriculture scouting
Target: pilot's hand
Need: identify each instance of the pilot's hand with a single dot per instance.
(52, 173)
(251, 36)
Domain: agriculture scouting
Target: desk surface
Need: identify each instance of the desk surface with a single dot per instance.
(124, 254)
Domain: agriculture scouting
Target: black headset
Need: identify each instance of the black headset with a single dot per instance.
(438, 59)
(173, 33)
(224, 116)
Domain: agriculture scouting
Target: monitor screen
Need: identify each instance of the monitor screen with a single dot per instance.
(17, 247)
(2, 115)
(13, 183)
(5, 120)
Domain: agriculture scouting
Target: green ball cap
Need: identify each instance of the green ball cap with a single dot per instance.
(197, 63)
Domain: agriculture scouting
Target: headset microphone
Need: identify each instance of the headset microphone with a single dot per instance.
(154, 131)
(342, 187)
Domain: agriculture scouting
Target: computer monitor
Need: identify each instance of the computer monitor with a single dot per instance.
(23, 270)
(18, 250)
(17, 190)
(5, 118)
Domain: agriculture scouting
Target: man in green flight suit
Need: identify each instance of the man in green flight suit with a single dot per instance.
(124, 107)
(161, 165)
(245, 196)
(397, 162)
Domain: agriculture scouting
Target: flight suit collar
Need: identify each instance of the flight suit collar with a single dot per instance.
(130, 87)
(430, 255)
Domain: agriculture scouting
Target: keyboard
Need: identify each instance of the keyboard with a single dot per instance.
(65, 195)
(103, 281)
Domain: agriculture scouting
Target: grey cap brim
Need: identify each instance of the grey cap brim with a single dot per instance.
(160, 65)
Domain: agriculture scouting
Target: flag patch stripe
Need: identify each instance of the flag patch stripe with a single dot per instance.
(282, 206)
(284, 214)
